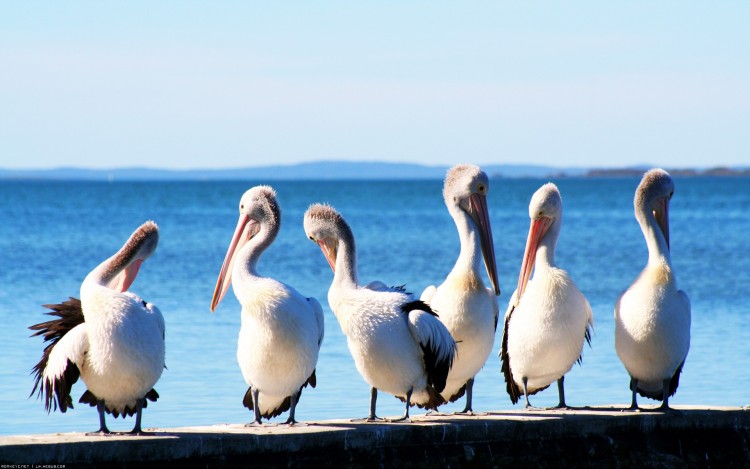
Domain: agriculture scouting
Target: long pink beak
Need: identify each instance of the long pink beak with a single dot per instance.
(329, 247)
(126, 277)
(225, 276)
(537, 230)
(481, 215)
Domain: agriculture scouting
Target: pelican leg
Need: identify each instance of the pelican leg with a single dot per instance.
(525, 382)
(634, 388)
(256, 405)
(665, 397)
(405, 417)
(103, 430)
(469, 388)
(138, 412)
(291, 421)
(256, 408)
(373, 400)
(561, 392)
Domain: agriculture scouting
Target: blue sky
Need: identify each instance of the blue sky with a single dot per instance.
(233, 84)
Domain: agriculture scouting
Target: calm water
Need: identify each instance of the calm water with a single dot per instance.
(53, 233)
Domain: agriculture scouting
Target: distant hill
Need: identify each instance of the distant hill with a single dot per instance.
(719, 171)
(322, 170)
(328, 170)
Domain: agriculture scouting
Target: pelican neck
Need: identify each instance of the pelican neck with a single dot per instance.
(245, 266)
(658, 252)
(470, 255)
(545, 252)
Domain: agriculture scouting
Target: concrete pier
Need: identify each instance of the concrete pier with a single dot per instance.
(600, 437)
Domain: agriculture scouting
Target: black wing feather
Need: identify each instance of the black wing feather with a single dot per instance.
(285, 405)
(89, 398)
(587, 336)
(437, 369)
(69, 314)
(510, 385)
(673, 384)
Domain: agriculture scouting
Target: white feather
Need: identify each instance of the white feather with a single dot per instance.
(279, 338)
(71, 347)
(547, 329)
(429, 332)
(126, 346)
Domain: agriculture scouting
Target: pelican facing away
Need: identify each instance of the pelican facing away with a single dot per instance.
(548, 318)
(398, 344)
(467, 308)
(652, 317)
(281, 330)
(110, 338)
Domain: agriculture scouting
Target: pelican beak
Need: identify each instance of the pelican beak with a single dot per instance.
(241, 236)
(481, 215)
(661, 213)
(537, 230)
(329, 247)
(122, 281)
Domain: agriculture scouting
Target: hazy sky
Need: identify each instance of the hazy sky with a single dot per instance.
(228, 84)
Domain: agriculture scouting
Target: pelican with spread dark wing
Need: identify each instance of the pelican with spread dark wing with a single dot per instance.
(467, 308)
(398, 344)
(652, 317)
(110, 338)
(281, 330)
(548, 318)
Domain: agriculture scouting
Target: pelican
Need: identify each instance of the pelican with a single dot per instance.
(281, 330)
(467, 308)
(110, 338)
(652, 317)
(548, 318)
(398, 344)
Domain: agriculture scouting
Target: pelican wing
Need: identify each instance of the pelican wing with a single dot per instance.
(63, 368)
(151, 309)
(510, 385)
(589, 328)
(428, 293)
(495, 306)
(377, 285)
(57, 370)
(318, 310)
(438, 346)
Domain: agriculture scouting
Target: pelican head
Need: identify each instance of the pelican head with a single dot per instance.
(652, 199)
(545, 210)
(123, 267)
(258, 208)
(325, 226)
(465, 189)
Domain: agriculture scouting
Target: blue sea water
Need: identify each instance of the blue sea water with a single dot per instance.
(53, 233)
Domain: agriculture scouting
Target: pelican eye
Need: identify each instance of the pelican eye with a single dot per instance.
(481, 188)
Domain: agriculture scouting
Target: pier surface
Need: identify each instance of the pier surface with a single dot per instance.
(602, 437)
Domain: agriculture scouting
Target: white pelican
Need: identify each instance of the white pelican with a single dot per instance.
(548, 318)
(281, 330)
(652, 317)
(467, 308)
(110, 338)
(398, 344)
